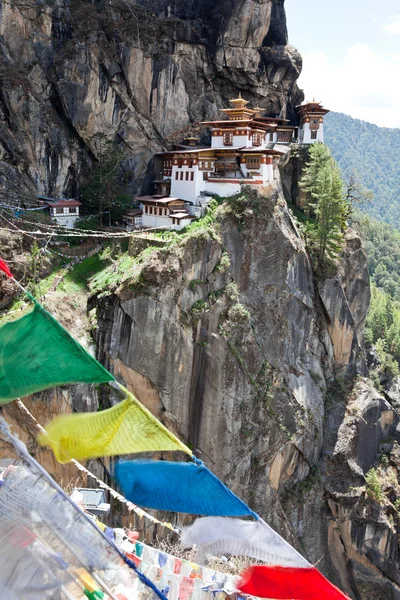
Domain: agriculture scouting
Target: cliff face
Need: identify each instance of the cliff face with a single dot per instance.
(132, 71)
(231, 341)
(226, 336)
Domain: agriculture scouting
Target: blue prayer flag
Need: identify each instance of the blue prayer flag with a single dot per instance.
(178, 487)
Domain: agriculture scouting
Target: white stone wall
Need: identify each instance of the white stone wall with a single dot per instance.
(305, 134)
(66, 220)
(182, 224)
(155, 220)
(240, 141)
(221, 188)
(267, 173)
(186, 190)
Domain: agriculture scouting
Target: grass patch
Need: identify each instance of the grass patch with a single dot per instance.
(77, 279)
(112, 275)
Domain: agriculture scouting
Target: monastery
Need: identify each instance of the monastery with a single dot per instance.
(63, 211)
(246, 149)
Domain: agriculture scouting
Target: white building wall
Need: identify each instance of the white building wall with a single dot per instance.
(267, 173)
(217, 141)
(241, 141)
(65, 220)
(320, 137)
(155, 220)
(182, 224)
(305, 134)
(223, 189)
(186, 190)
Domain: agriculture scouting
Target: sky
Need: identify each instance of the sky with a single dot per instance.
(351, 55)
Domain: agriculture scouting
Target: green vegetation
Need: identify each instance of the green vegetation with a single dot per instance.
(197, 309)
(238, 314)
(78, 278)
(104, 193)
(382, 245)
(327, 206)
(374, 485)
(374, 153)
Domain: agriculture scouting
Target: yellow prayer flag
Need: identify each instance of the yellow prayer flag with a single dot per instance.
(127, 428)
(86, 579)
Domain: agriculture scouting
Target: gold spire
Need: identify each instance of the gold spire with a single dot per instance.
(239, 102)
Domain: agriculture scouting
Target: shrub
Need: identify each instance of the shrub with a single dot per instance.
(232, 291)
(374, 486)
(224, 263)
(198, 308)
(238, 313)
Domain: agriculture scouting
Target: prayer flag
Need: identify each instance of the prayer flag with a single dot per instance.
(127, 428)
(281, 583)
(178, 487)
(37, 353)
(219, 535)
(5, 269)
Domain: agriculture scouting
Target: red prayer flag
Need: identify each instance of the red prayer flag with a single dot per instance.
(286, 583)
(5, 269)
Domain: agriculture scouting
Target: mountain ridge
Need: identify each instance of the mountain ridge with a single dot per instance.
(374, 153)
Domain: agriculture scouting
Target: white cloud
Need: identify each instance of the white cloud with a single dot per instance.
(365, 85)
(394, 26)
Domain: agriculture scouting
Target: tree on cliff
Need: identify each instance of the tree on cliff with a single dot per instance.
(326, 202)
(104, 194)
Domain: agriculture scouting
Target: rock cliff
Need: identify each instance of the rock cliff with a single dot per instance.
(224, 333)
(228, 337)
(141, 71)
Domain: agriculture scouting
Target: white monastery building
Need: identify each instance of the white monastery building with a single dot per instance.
(311, 122)
(62, 211)
(246, 149)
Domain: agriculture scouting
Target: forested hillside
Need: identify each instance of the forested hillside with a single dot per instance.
(382, 244)
(373, 152)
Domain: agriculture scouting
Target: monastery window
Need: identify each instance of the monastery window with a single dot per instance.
(59, 211)
(285, 136)
(151, 210)
(187, 176)
(176, 175)
(253, 162)
(271, 136)
(192, 176)
(146, 209)
(314, 135)
(205, 176)
(181, 177)
(228, 139)
(256, 139)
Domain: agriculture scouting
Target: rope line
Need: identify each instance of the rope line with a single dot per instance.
(23, 452)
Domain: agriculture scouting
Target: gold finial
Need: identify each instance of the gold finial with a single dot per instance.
(239, 102)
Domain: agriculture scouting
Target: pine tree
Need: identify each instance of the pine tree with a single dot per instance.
(104, 194)
(326, 202)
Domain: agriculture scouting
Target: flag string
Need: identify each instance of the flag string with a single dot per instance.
(130, 506)
(25, 455)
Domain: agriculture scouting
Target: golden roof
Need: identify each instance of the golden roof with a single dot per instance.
(239, 102)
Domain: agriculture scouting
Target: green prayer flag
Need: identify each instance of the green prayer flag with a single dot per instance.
(37, 353)
(96, 595)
